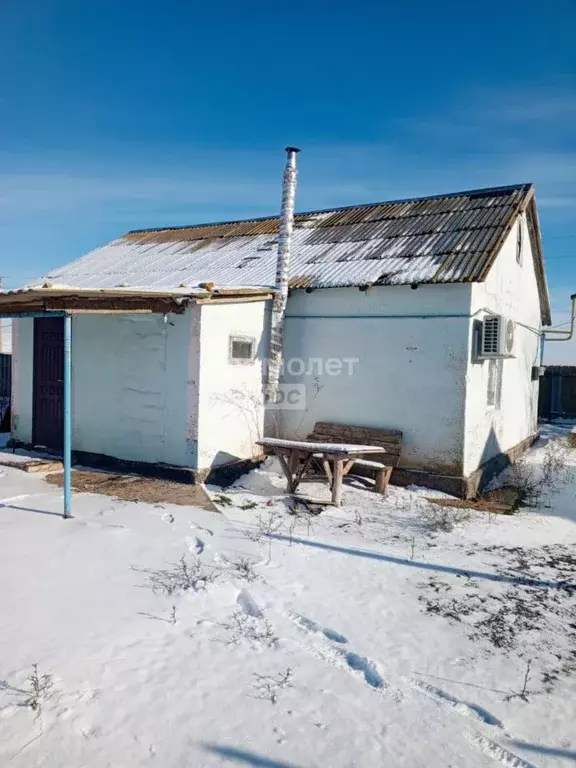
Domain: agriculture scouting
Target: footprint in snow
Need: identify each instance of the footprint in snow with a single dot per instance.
(353, 663)
(196, 527)
(464, 708)
(497, 752)
(248, 604)
(359, 663)
(311, 626)
(334, 654)
(195, 545)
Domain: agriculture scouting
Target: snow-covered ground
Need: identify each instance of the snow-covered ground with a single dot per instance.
(361, 637)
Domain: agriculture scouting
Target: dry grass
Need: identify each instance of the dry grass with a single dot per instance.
(535, 485)
(135, 488)
(437, 518)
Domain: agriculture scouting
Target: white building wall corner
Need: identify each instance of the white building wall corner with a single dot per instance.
(230, 414)
(510, 289)
(22, 362)
(193, 387)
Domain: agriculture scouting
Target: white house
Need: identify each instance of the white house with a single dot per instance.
(421, 315)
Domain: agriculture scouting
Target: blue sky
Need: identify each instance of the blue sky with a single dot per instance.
(124, 114)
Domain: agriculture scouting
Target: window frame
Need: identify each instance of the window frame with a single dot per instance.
(520, 242)
(235, 338)
(494, 400)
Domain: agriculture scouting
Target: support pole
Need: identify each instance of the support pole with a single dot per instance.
(67, 416)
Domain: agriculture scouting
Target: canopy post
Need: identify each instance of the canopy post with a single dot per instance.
(67, 416)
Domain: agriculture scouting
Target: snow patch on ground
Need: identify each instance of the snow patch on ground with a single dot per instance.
(361, 636)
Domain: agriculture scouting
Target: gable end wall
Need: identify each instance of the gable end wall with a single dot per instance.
(510, 289)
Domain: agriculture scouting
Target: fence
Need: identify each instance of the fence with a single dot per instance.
(558, 392)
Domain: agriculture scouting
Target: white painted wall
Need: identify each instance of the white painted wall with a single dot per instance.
(129, 375)
(148, 391)
(230, 407)
(193, 385)
(22, 361)
(512, 290)
(410, 374)
(129, 386)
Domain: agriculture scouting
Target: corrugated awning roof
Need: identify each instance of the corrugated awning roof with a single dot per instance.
(443, 239)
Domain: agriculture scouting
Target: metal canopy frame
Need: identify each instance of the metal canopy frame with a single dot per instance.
(65, 302)
(67, 381)
(67, 448)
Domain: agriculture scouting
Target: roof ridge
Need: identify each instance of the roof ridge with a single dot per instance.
(482, 192)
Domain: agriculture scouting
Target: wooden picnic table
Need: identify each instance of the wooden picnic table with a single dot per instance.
(295, 457)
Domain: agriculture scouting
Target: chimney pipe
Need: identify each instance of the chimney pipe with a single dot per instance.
(282, 272)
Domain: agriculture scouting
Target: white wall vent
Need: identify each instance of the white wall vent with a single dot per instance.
(497, 336)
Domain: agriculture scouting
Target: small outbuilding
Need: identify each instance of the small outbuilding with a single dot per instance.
(420, 315)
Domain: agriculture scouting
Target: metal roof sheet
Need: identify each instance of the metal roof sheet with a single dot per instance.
(442, 239)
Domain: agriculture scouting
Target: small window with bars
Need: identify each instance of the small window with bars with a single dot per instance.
(494, 389)
(241, 349)
(519, 242)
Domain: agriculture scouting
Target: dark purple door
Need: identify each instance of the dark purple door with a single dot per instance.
(47, 414)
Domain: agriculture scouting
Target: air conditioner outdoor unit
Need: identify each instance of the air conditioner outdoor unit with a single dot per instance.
(497, 336)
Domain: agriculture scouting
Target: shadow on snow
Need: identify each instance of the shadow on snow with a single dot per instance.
(517, 580)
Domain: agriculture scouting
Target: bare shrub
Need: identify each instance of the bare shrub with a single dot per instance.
(266, 528)
(523, 693)
(526, 482)
(535, 484)
(305, 514)
(412, 504)
(181, 577)
(37, 691)
(555, 470)
(244, 626)
(440, 518)
(40, 687)
(292, 525)
(244, 568)
(268, 686)
(248, 404)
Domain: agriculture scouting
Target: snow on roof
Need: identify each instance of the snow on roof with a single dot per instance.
(442, 239)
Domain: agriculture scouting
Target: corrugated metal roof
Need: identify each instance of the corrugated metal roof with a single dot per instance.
(443, 239)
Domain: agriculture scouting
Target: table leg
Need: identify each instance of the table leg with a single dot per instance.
(286, 468)
(348, 466)
(301, 471)
(382, 480)
(327, 471)
(294, 461)
(338, 474)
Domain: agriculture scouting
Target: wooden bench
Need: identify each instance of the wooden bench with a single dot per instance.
(377, 465)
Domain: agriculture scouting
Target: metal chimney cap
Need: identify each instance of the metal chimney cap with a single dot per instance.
(292, 149)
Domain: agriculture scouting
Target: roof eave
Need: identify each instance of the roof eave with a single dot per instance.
(526, 205)
(536, 245)
(118, 300)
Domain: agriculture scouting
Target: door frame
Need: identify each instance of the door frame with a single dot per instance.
(36, 382)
